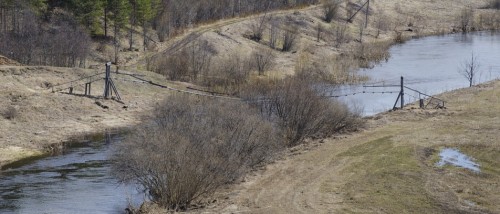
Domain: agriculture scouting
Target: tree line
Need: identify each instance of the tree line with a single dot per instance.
(58, 32)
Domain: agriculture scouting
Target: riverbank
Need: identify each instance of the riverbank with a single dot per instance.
(389, 167)
(35, 121)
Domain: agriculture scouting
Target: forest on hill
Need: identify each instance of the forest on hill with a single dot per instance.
(59, 33)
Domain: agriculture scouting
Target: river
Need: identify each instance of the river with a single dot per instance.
(79, 181)
(429, 65)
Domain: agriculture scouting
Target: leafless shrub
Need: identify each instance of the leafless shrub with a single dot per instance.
(398, 37)
(10, 113)
(341, 35)
(331, 70)
(227, 74)
(257, 28)
(298, 107)
(200, 57)
(330, 10)
(186, 65)
(262, 60)
(466, 19)
(470, 69)
(193, 146)
(369, 54)
(289, 38)
(175, 67)
(382, 23)
(313, 70)
(489, 20)
(319, 31)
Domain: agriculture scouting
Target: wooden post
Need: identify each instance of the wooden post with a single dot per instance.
(70, 90)
(422, 103)
(106, 80)
(402, 93)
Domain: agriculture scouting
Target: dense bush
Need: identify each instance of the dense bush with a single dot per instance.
(300, 109)
(191, 147)
(330, 10)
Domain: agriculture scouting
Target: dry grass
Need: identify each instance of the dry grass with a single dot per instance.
(43, 118)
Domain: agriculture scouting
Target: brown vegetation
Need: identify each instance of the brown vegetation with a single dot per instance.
(300, 109)
(63, 43)
(193, 146)
(176, 15)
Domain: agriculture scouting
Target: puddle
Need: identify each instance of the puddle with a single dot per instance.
(456, 158)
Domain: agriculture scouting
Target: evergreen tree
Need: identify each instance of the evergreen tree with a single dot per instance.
(88, 12)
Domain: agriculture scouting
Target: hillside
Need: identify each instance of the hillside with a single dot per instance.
(389, 22)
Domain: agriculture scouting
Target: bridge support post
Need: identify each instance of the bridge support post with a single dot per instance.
(106, 80)
(402, 94)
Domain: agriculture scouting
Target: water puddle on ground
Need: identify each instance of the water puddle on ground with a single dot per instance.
(456, 158)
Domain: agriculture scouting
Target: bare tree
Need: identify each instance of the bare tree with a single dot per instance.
(257, 27)
(470, 69)
(289, 37)
(273, 33)
(262, 60)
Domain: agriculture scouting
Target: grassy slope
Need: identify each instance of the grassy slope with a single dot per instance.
(390, 166)
(45, 119)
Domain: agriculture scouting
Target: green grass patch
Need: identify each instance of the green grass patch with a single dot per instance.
(387, 178)
(488, 157)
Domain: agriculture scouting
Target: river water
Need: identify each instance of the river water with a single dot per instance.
(80, 181)
(429, 65)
